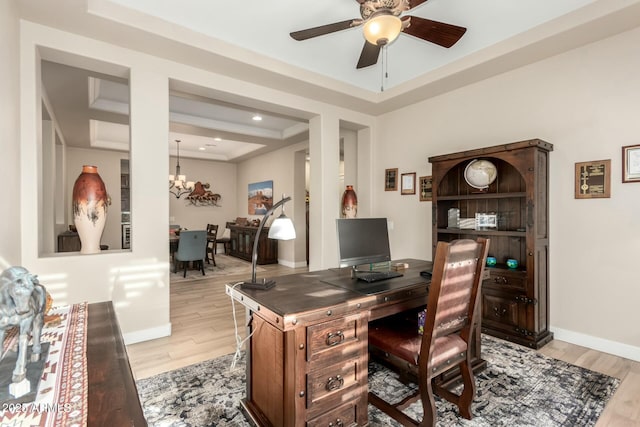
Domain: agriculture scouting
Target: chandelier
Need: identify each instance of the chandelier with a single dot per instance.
(178, 184)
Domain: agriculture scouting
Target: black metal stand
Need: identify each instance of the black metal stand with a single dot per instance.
(263, 285)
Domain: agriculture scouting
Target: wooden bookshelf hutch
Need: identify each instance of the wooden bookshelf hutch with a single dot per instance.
(515, 302)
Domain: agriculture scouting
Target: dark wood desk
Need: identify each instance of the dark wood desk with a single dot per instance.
(308, 355)
(113, 396)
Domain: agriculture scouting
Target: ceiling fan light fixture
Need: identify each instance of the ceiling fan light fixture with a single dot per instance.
(382, 28)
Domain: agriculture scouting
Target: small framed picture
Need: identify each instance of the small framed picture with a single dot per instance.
(408, 183)
(484, 220)
(593, 179)
(631, 163)
(391, 179)
(426, 188)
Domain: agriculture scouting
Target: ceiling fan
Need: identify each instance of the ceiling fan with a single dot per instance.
(382, 23)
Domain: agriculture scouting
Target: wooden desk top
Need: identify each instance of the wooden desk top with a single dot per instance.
(113, 396)
(309, 295)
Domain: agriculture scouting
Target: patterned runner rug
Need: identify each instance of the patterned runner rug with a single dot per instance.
(61, 398)
(519, 388)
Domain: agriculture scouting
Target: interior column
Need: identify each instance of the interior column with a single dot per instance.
(324, 205)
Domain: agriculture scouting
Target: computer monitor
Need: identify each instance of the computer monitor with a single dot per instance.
(362, 241)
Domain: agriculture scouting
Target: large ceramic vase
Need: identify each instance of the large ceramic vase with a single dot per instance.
(90, 203)
(349, 203)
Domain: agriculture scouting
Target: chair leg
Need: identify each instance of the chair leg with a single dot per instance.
(392, 411)
(428, 404)
(469, 390)
(185, 269)
(202, 265)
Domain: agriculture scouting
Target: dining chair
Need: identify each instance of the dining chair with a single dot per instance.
(446, 339)
(212, 234)
(225, 239)
(192, 247)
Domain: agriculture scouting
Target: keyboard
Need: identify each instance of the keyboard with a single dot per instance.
(376, 276)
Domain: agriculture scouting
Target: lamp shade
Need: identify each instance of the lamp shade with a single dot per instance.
(382, 29)
(282, 228)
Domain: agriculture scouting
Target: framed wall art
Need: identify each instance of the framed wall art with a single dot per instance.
(408, 183)
(391, 179)
(426, 188)
(593, 179)
(631, 163)
(260, 197)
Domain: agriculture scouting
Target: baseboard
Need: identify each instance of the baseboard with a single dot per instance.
(147, 334)
(606, 346)
(292, 264)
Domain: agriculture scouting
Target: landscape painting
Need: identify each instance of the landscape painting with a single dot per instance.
(260, 197)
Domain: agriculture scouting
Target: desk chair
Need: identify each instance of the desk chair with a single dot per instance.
(453, 294)
(212, 234)
(192, 246)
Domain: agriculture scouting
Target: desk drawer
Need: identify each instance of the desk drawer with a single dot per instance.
(328, 387)
(330, 341)
(344, 416)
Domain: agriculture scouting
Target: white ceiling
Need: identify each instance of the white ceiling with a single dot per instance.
(93, 111)
(263, 27)
(250, 41)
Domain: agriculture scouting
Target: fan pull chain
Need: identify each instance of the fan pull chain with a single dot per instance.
(384, 71)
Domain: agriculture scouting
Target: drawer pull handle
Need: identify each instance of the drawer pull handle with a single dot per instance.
(334, 383)
(499, 312)
(500, 279)
(337, 424)
(334, 338)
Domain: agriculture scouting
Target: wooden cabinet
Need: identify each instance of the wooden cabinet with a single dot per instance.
(515, 302)
(68, 241)
(241, 244)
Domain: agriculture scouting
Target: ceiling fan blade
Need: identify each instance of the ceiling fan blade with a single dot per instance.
(369, 55)
(445, 35)
(415, 3)
(324, 29)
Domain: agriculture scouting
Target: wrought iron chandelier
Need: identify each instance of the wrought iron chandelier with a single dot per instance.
(178, 184)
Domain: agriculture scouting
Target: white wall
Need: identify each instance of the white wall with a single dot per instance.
(10, 242)
(277, 166)
(586, 102)
(222, 177)
(137, 281)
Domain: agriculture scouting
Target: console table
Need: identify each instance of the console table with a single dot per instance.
(241, 244)
(113, 397)
(311, 337)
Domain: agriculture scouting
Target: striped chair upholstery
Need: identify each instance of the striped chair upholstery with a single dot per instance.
(453, 293)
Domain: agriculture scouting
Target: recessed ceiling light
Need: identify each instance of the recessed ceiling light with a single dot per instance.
(257, 117)
(201, 148)
(217, 138)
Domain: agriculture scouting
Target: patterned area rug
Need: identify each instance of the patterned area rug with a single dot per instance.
(225, 266)
(519, 388)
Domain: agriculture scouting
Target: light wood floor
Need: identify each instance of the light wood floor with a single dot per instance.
(203, 328)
